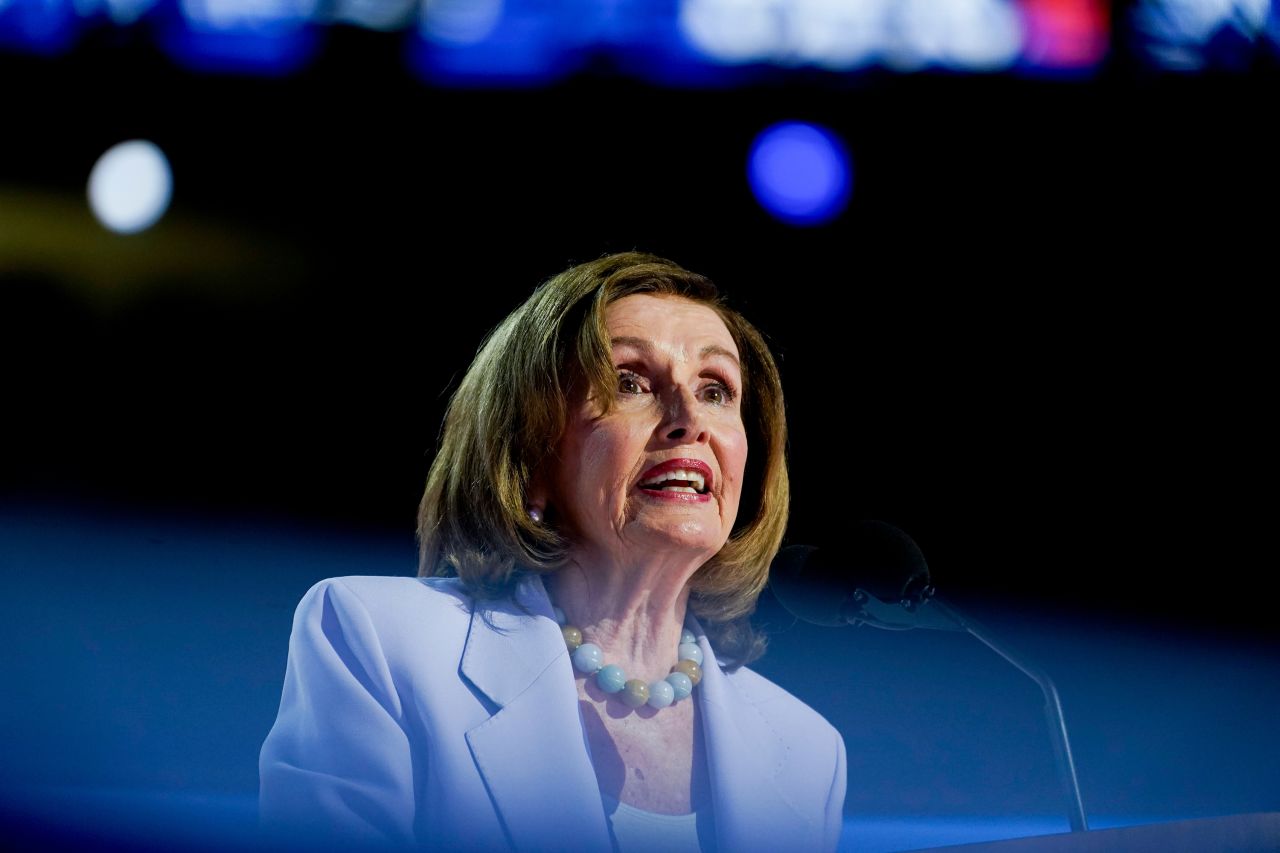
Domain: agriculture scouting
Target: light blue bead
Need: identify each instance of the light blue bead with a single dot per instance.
(560, 618)
(661, 694)
(588, 658)
(681, 684)
(611, 678)
(690, 651)
(686, 636)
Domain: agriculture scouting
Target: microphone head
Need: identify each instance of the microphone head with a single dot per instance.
(875, 559)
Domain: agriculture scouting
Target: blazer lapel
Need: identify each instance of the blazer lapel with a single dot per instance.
(744, 756)
(532, 753)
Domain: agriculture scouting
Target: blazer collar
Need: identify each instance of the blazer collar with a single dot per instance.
(533, 755)
(511, 643)
(744, 757)
(532, 752)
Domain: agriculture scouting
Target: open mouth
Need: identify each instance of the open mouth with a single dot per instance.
(678, 476)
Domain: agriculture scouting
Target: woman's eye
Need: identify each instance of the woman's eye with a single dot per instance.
(717, 395)
(629, 384)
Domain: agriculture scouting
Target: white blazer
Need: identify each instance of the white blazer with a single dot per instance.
(410, 718)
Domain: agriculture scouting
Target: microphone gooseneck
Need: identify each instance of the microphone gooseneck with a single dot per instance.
(881, 579)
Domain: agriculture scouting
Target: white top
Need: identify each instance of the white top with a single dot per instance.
(638, 831)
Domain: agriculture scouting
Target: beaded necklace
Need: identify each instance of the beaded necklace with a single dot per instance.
(589, 658)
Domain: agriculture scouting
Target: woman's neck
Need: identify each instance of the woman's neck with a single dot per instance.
(634, 614)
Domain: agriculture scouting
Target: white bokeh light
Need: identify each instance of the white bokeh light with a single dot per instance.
(733, 30)
(460, 22)
(978, 35)
(247, 14)
(130, 186)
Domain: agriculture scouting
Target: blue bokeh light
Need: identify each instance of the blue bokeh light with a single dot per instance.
(683, 43)
(266, 39)
(274, 53)
(491, 42)
(800, 173)
(46, 27)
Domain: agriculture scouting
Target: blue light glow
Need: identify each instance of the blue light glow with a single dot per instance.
(1191, 35)
(253, 53)
(39, 26)
(800, 173)
(147, 653)
(672, 42)
(491, 42)
(240, 36)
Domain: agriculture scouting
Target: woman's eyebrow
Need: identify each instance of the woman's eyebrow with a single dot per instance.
(639, 343)
(716, 349)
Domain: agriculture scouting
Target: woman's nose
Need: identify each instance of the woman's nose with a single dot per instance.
(684, 421)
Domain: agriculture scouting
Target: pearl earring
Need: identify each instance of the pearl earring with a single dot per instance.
(535, 514)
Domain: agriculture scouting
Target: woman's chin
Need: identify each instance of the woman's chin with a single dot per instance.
(696, 537)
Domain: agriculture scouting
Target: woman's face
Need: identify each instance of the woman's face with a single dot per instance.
(661, 474)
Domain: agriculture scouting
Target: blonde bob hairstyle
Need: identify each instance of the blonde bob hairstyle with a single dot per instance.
(505, 420)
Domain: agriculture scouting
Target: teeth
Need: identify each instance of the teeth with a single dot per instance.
(699, 482)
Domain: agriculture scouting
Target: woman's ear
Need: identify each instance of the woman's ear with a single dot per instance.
(535, 500)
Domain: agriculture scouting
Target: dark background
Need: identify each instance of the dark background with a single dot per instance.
(1037, 341)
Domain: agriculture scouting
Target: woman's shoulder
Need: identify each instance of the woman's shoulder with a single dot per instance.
(393, 609)
(383, 591)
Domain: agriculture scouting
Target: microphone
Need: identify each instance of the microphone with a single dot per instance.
(881, 579)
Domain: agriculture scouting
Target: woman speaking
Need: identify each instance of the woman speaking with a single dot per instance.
(568, 673)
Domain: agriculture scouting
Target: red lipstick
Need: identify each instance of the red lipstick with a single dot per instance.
(690, 465)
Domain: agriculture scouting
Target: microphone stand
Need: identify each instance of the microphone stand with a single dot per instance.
(927, 611)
